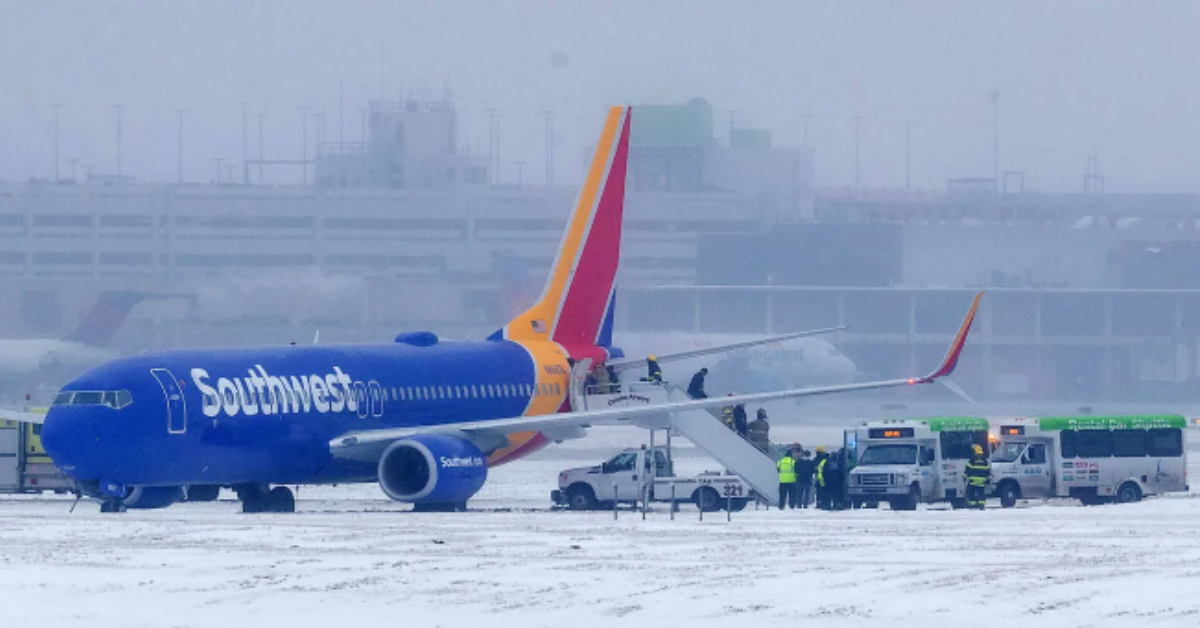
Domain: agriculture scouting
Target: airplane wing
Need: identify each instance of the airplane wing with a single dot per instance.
(625, 364)
(21, 416)
(371, 443)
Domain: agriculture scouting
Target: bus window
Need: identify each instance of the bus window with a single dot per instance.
(1067, 444)
(1129, 443)
(1094, 443)
(957, 445)
(1165, 442)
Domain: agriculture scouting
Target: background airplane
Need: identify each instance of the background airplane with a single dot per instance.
(809, 361)
(28, 364)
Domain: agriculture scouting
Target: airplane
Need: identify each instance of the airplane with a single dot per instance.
(26, 361)
(805, 361)
(423, 417)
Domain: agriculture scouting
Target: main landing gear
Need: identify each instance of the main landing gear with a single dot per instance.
(263, 498)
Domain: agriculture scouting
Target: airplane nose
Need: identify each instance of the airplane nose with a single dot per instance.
(61, 439)
(71, 436)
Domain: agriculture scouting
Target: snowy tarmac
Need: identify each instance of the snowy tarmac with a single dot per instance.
(352, 557)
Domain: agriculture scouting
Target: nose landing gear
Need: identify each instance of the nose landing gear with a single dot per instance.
(262, 498)
(112, 506)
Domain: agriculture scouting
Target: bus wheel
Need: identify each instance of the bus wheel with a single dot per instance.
(908, 502)
(1129, 493)
(1009, 493)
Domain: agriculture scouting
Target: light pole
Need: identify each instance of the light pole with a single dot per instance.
(245, 154)
(995, 96)
(907, 155)
(260, 147)
(56, 107)
(520, 173)
(304, 142)
(549, 116)
(180, 157)
(73, 160)
(494, 143)
(804, 121)
(857, 119)
(218, 161)
(120, 108)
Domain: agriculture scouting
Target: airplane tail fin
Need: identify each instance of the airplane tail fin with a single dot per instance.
(106, 317)
(575, 307)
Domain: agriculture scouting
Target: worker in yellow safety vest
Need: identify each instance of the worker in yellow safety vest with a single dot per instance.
(978, 472)
(787, 479)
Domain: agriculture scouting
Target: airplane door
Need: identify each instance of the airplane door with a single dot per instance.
(176, 409)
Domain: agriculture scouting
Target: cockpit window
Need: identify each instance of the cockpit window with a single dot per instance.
(115, 399)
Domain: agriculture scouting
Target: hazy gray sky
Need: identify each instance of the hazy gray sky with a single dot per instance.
(1072, 76)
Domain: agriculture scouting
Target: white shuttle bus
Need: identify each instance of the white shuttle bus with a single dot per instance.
(909, 461)
(1095, 459)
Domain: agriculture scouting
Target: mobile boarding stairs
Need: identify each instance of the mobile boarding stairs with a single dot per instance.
(703, 427)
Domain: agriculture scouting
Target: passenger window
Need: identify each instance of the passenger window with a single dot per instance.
(1165, 442)
(1094, 443)
(1129, 443)
(1036, 454)
(1067, 444)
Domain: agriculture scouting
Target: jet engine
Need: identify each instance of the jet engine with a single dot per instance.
(146, 497)
(433, 471)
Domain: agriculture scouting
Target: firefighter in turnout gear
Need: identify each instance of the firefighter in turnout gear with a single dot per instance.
(978, 472)
(655, 373)
(820, 481)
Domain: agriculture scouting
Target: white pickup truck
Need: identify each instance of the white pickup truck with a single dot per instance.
(625, 477)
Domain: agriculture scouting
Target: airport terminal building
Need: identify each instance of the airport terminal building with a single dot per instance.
(1091, 295)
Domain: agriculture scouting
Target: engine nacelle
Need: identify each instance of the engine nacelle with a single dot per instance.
(432, 469)
(146, 497)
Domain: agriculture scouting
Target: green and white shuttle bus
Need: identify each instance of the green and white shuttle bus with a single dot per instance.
(1095, 459)
(909, 461)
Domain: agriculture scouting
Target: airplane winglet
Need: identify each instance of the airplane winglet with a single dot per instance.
(960, 340)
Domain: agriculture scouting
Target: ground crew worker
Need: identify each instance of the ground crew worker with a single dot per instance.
(787, 479)
(603, 385)
(696, 386)
(739, 420)
(806, 467)
(978, 472)
(759, 432)
(819, 479)
(655, 371)
(727, 416)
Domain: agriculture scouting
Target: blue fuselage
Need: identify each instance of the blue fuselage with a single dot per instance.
(267, 415)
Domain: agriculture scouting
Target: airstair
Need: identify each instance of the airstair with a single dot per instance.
(725, 446)
(703, 427)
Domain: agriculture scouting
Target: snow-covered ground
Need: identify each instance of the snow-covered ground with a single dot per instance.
(350, 557)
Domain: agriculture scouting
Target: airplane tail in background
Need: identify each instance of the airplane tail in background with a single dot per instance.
(577, 299)
(107, 316)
